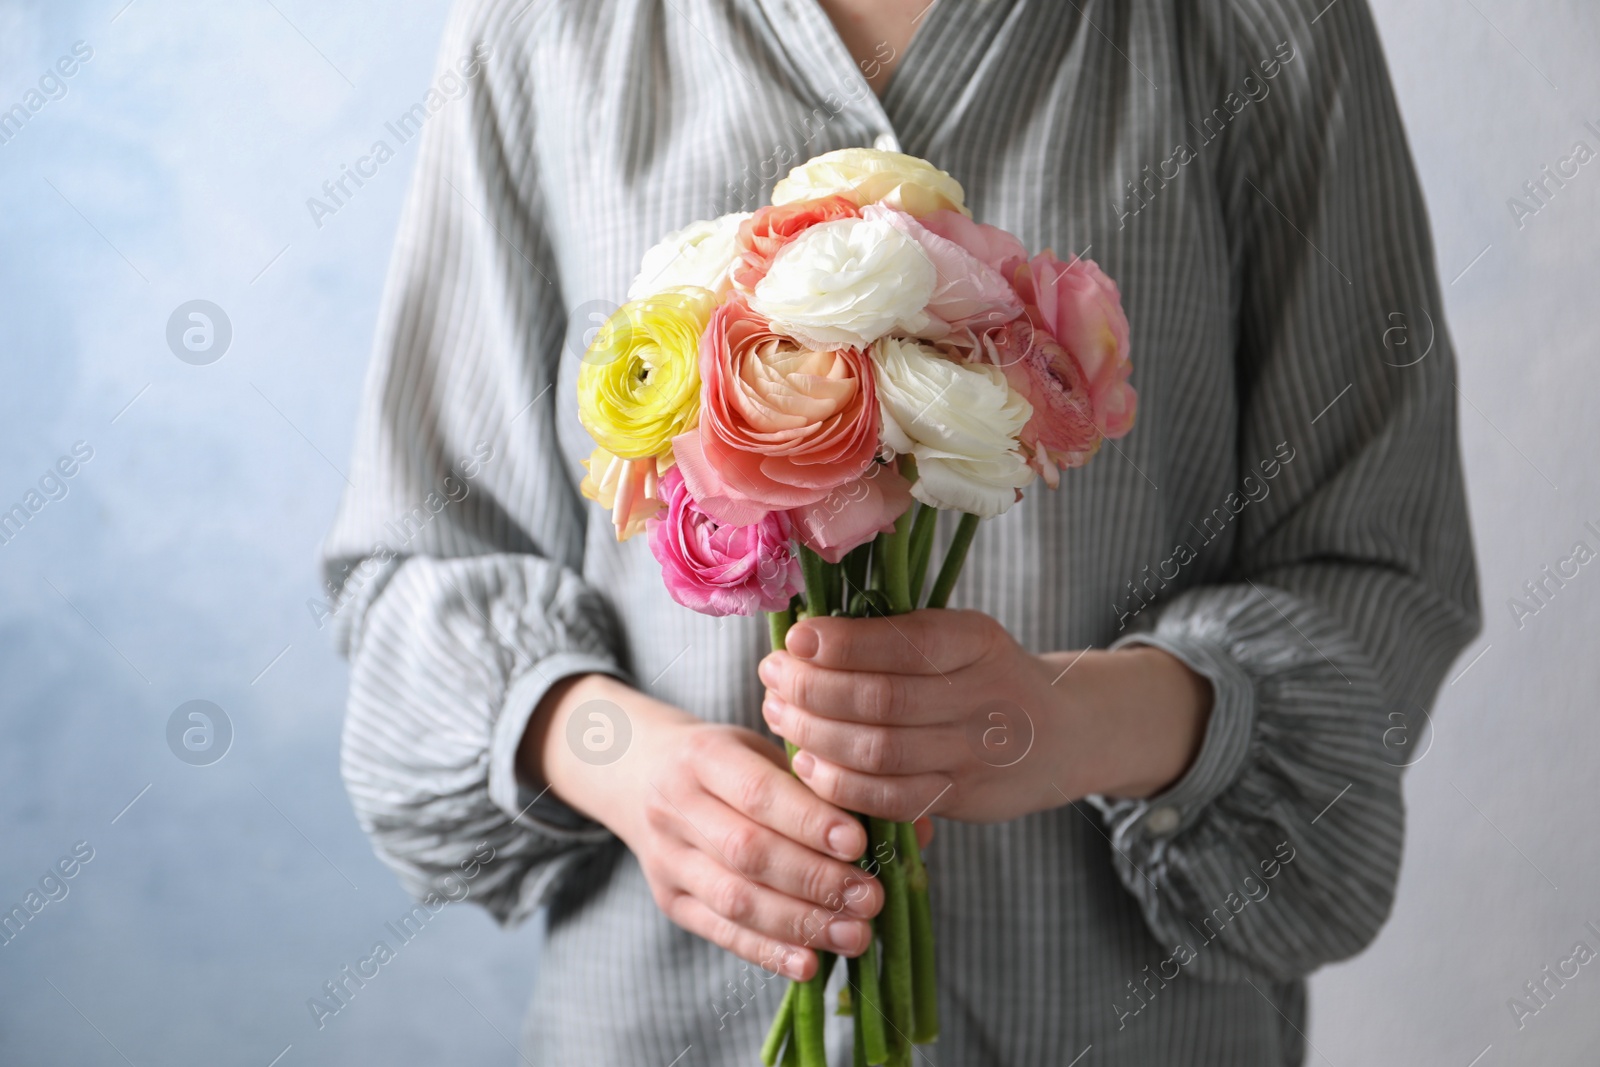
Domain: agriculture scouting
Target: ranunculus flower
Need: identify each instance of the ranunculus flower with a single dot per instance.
(969, 296)
(781, 424)
(961, 421)
(640, 382)
(853, 514)
(701, 254)
(871, 176)
(718, 569)
(1081, 308)
(847, 282)
(1061, 431)
(770, 228)
(994, 246)
(625, 487)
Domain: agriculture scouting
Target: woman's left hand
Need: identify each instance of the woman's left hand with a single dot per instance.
(942, 712)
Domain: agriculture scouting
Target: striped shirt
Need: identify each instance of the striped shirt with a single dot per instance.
(1287, 516)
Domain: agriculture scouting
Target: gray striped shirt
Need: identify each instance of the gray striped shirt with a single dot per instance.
(1287, 516)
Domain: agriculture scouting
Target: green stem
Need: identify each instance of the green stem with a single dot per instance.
(858, 1040)
(778, 623)
(852, 992)
(875, 575)
(922, 528)
(815, 569)
(896, 565)
(871, 997)
(855, 570)
(924, 985)
(940, 594)
(810, 1013)
(782, 1026)
(894, 926)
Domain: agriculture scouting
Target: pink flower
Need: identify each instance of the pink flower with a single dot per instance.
(1080, 307)
(763, 234)
(1061, 432)
(989, 244)
(718, 569)
(853, 514)
(781, 425)
(970, 295)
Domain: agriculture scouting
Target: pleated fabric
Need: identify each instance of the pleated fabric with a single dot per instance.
(1287, 516)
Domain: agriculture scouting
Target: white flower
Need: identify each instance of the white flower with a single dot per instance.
(701, 254)
(959, 420)
(846, 282)
(872, 176)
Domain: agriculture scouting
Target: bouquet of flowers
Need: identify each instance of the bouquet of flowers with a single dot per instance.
(783, 406)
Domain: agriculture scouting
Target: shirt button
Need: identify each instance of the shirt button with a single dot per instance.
(1162, 820)
(886, 142)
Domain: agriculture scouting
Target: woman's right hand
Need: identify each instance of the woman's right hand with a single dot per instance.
(735, 849)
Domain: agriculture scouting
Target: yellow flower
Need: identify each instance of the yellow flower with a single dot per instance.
(640, 383)
(870, 176)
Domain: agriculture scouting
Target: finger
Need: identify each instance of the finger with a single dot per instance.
(761, 855)
(924, 831)
(773, 915)
(762, 788)
(901, 798)
(862, 746)
(858, 696)
(920, 642)
(772, 955)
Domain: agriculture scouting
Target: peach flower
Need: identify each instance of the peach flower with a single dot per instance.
(781, 425)
(770, 228)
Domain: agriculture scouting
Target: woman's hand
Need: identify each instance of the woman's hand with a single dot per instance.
(734, 848)
(943, 712)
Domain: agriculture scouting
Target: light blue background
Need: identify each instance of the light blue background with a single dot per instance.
(191, 141)
(177, 167)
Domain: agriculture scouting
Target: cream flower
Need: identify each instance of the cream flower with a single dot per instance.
(870, 176)
(628, 488)
(960, 421)
(846, 282)
(701, 254)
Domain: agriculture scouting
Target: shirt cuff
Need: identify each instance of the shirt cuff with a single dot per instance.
(532, 805)
(1223, 751)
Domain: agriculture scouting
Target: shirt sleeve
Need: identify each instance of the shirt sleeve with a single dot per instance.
(1352, 585)
(453, 567)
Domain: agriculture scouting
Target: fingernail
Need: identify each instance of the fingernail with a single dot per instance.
(801, 641)
(843, 842)
(768, 671)
(860, 904)
(845, 935)
(772, 711)
(803, 764)
(794, 964)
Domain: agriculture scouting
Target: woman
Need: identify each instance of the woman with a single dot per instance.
(1206, 639)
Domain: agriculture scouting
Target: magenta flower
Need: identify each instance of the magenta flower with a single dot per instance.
(719, 569)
